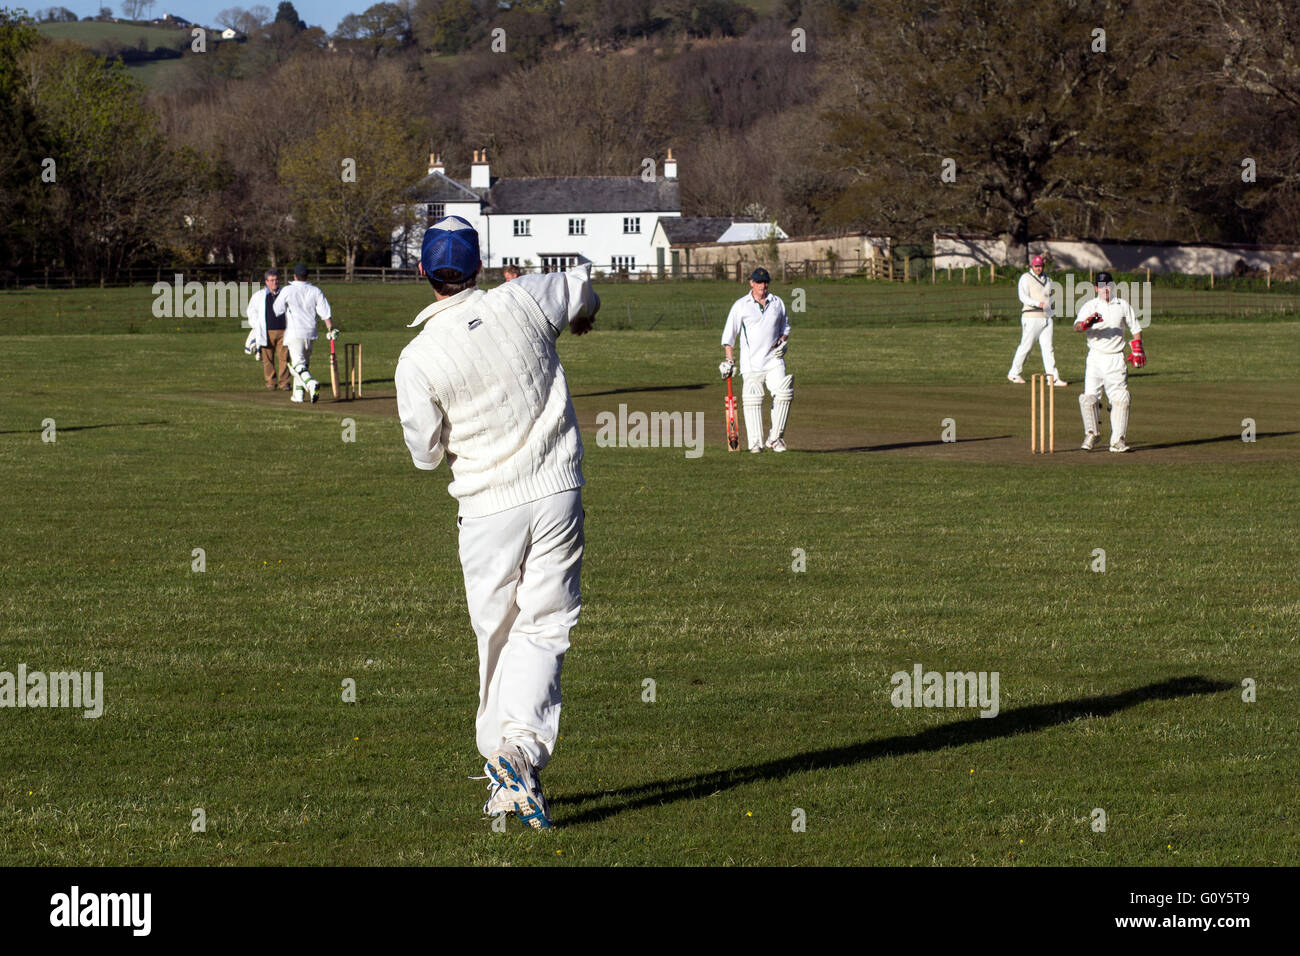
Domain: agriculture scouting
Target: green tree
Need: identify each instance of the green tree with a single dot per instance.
(383, 28)
(348, 181)
(446, 26)
(23, 147)
(120, 186)
(285, 13)
(1019, 107)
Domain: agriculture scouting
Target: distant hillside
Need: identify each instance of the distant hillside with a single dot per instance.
(122, 36)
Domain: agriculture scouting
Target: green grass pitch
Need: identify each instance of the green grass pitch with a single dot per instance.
(327, 560)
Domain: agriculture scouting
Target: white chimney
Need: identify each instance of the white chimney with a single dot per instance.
(670, 166)
(435, 164)
(479, 177)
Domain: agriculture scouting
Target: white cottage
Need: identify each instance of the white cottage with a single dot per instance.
(550, 223)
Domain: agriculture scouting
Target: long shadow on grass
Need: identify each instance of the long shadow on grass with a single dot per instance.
(894, 446)
(643, 388)
(1022, 720)
(79, 428)
(1235, 436)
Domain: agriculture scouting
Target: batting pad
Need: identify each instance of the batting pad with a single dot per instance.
(781, 397)
(1088, 406)
(1118, 414)
(753, 398)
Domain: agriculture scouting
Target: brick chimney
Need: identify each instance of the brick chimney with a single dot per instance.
(670, 166)
(479, 172)
(435, 164)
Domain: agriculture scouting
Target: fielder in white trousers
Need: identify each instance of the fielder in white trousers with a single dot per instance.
(1035, 293)
(522, 568)
(1034, 327)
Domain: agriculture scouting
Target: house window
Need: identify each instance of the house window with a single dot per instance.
(631, 224)
(523, 227)
(558, 263)
(510, 260)
(437, 210)
(577, 227)
(623, 264)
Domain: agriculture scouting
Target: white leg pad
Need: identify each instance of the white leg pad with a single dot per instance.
(782, 395)
(1119, 400)
(1088, 406)
(753, 400)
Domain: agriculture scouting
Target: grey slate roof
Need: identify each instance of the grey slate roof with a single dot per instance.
(694, 228)
(437, 187)
(579, 194)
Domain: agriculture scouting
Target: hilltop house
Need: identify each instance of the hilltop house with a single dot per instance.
(551, 222)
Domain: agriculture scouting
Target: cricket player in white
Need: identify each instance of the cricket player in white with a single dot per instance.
(764, 329)
(1035, 292)
(482, 385)
(1103, 319)
(300, 303)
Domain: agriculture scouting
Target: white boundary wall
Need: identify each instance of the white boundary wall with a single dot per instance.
(955, 251)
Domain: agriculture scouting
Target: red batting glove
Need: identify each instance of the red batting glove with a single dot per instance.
(1138, 358)
(1083, 325)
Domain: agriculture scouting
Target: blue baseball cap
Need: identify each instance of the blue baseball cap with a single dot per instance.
(760, 275)
(450, 243)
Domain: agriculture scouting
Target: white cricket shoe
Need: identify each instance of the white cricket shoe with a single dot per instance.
(499, 801)
(296, 397)
(312, 388)
(777, 444)
(1119, 446)
(511, 770)
(1089, 441)
(1059, 383)
(755, 449)
(1015, 379)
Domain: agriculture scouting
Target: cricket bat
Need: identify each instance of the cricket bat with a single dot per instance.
(733, 426)
(334, 370)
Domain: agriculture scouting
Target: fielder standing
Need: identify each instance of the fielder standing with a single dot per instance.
(300, 304)
(1103, 319)
(1035, 291)
(482, 385)
(764, 329)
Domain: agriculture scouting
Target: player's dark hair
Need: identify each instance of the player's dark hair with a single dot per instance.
(451, 281)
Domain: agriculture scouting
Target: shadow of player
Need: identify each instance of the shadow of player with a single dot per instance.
(975, 730)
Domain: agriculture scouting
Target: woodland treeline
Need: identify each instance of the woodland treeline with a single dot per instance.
(1147, 119)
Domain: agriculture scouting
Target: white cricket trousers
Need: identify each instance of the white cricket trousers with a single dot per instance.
(299, 360)
(1035, 328)
(521, 571)
(1106, 371)
(299, 351)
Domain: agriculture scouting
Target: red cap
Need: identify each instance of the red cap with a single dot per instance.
(1036, 261)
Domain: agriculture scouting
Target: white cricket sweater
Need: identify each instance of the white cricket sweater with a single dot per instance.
(482, 383)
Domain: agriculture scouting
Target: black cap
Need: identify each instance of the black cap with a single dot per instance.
(1103, 278)
(760, 275)
(300, 271)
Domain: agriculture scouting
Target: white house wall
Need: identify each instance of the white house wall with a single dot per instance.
(549, 235)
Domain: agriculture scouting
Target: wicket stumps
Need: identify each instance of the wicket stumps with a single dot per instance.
(1042, 415)
(352, 370)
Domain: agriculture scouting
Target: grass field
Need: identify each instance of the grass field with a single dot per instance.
(644, 306)
(328, 560)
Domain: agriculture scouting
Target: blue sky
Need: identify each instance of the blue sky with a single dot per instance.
(317, 13)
